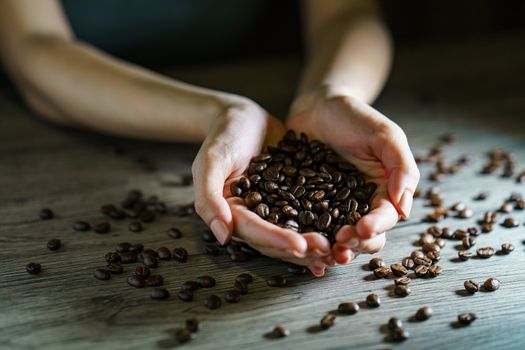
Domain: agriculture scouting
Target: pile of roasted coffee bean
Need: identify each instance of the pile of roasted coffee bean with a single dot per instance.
(305, 186)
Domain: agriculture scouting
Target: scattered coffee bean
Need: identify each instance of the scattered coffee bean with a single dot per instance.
(232, 296)
(142, 271)
(81, 226)
(469, 242)
(491, 284)
(128, 258)
(471, 286)
(154, 281)
(510, 222)
(112, 257)
(182, 335)
(399, 334)
(115, 268)
(46, 214)
(408, 263)
(192, 324)
(190, 285)
(434, 270)
(485, 252)
(150, 261)
(212, 302)
(507, 248)
(328, 321)
(136, 281)
(405, 280)
(123, 247)
(481, 196)
(297, 269)
(394, 323)
(185, 295)
(136, 248)
(102, 227)
(424, 313)
(421, 271)
(160, 294)
(102, 274)
(467, 318)
(53, 244)
(240, 287)
(373, 300)
(135, 226)
(280, 331)
(244, 277)
(464, 255)
(402, 290)
(164, 253)
(33, 268)
(398, 270)
(382, 272)
(376, 263)
(465, 213)
(239, 256)
(276, 281)
(205, 281)
(180, 255)
(348, 308)
(174, 233)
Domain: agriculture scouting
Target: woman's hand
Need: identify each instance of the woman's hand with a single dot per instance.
(373, 143)
(239, 134)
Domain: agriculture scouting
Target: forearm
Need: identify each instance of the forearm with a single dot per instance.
(351, 54)
(72, 83)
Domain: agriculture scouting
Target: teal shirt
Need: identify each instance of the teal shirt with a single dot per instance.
(164, 32)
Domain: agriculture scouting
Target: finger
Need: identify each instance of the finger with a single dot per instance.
(403, 174)
(342, 254)
(317, 243)
(372, 245)
(280, 254)
(210, 204)
(382, 217)
(256, 231)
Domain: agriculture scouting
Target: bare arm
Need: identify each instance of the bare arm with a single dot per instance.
(70, 82)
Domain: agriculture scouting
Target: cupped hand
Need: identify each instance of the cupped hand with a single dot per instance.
(376, 146)
(239, 134)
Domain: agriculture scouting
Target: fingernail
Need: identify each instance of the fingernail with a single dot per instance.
(220, 230)
(351, 255)
(353, 242)
(405, 203)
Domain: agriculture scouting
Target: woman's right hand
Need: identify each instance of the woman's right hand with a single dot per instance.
(238, 134)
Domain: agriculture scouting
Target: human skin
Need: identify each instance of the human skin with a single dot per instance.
(71, 83)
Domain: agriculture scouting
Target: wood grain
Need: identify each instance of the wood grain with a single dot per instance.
(474, 89)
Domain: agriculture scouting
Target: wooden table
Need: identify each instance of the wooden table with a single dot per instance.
(472, 88)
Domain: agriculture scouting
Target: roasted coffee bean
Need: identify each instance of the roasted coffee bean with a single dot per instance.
(405, 280)
(116, 214)
(421, 270)
(192, 324)
(149, 251)
(164, 253)
(190, 285)
(154, 281)
(481, 196)
(150, 261)
(182, 335)
(205, 281)
(115, 269)
(430, 247)
(123, 247)
(440, 242)
(180, 255)
(464, 255)
(174, 233)
(434, 270)
(424, 313)
(232, 296)
(486, 228)
(160, 294)
(142, 271)
(328, 321)
(135, 226)
(212, 302)
(467, 318)
(373, 300)
(112, 257)
(469, 242)
(507, 248)
(471, 286)
(348, 308)
(376, 263)
(244, 277)
(417, 254)
(422, 261)
(263, 210)
(402, 290)
(128, 258)
(510, 222)
(53, 244)
(506, 208)
(102, 227)
(46, 214)
(276, 281)
(399, 334)
(382, 272)
(136, 281)
(252, 199)
(491, 284)
(81, 226)
(398, 270)
(136, 248)
(102, 274)
(426, 238)
(485, 252)
(434, 256)
(185, 295)
(394, 323)
(239, 256)
(280, 331)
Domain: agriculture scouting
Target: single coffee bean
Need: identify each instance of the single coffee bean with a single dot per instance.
(112, 257)
(382, 272)
(376, 263)
(348, 308)
(491, 284)
(434, 256)
(400, 334)
(81, 226)
(102, 227)
(425, 261)
(164, 253)
(53, 244)
(205, 281)
(465, 213)
(212, 302)
(506, 208)
(469, 242)
(471, 286)
(182, 335)
(232, 296)
(421, 271)
(510, 222)
(402, 290)
(174, 233)
(394, 323)
(426, 238)
(46, 214)
(434, 270)
(136, 281)
(136, 248)
(485, 252)
(192, 325)
(239, 256)
(185, 295)
(373, 300)
(150, 261)
(440, 242)
(481, 196)
(467, 318)
(142, 271)
(244, 277)
(405, 280)
(464, 255)
(180, 255)
(328, 321)
(154, 281)
(263, 210)
(276, 281)
(280, 331)
(190, 285)
(160, 294)
(398, 270)
(507, 248)
(115, 269)
(252, 199)
(123, 247)
(102, 274)
(297, 269)
(240, 287)
(135, 226)
(424, 313)
(128, 258)
(408, 263)
(417, 254)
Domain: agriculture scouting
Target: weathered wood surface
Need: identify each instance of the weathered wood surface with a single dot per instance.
(474, 89)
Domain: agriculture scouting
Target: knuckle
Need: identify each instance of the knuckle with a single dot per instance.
(201, 205)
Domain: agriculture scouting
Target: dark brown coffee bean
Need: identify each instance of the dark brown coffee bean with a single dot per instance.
(128, 258)
(205, 281)
(239, 256)
(280, 331)
(510, 222)
(348, 308)
(491, 284)
(212, 302)
(244, 277)
(190, 285)
(276, 281)
(402, 290)
(382, 272)
(123, 247)
(421, 270)
(115, 269)
(112, 257)
(102, 274)
(102, 227)
(467, 318)
(174, 233)
(180, 255)
(232, 296)
(373, 300)
(154, 281)
(417, 254)
(136, 248)
(481, 196)
(252, 199)
(81, 226)
(434, 256)
(485, 252)
(324, 221)
(426, 238)
(505, 208)
(430, 247)
(53, 244)
(465, 213)
(398, 270)
(328, 321)
(399, 334)
(468, 242)
(297, 269)
(185, 295)
(164, 253)
(440, 242)
(240, 287)
(507, 248)
(160, 294)
(142, 271)
(464, 255)
(394, 323)
(376, 263)
(150, 261)
(434, 270)
(136, 281)
(263, 210)
(405, 280)
(46, 214)
(424, 313)
(182, 335)
(471, 286)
